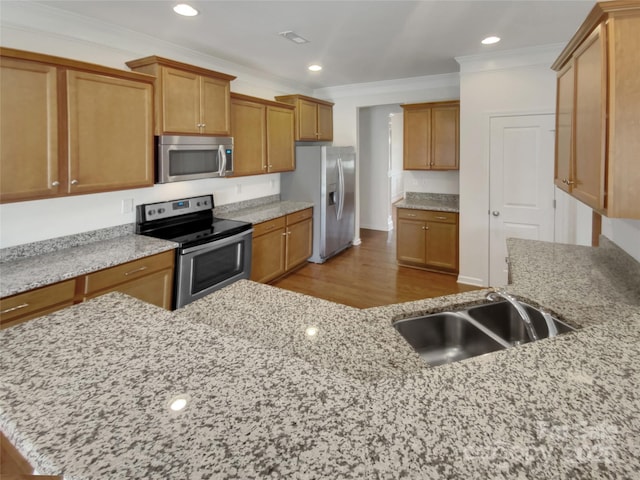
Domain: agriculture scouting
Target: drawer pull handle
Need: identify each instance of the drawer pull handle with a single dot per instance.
(135, 271)
(441, 218)
(13, 309)
(411, 214)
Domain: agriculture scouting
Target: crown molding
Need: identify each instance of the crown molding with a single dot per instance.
(522, 57)
(390, 86)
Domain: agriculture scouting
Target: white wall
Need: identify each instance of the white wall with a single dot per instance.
(515, 83)
(624, 233)
(32, 27)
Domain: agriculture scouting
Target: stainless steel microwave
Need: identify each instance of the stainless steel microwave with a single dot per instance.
(183, 157)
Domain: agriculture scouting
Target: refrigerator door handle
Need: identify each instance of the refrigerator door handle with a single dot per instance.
(341, 188)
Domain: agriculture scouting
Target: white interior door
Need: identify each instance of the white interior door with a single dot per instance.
(521, 185)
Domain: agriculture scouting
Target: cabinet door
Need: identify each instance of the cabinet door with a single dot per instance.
(180, 101)
(248, 122)
(444, 138)
(307, 120)
(29, 133)
(441, 246)
(268, 255)
(280, 143)
(110, 129)
(214, 106)
(590, 113)
(299, 243)
(155, 288)
(325, 122)
(564, 126)
(417, 139)
(410, 241)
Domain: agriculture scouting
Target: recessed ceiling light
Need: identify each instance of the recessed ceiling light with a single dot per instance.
(490, 40)
(185, 10)
(293, 36)
(315, 68)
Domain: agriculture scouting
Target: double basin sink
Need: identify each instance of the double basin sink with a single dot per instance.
(448, 337)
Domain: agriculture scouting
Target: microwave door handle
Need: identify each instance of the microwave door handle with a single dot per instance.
(222, 161)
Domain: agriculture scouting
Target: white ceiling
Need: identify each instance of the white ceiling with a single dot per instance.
(355, 41)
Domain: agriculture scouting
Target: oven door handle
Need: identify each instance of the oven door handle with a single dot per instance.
(217, 243)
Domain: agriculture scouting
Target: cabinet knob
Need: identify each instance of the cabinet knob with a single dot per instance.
(568, 182)
(55, 183)
(495, 213)
(74, 182)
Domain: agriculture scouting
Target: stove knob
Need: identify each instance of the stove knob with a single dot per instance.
(161, 210)
(151, 212)
(197, 204)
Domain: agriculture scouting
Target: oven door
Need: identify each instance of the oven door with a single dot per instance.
(206, 268)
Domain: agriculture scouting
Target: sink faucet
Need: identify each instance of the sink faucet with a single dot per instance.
(493, 296)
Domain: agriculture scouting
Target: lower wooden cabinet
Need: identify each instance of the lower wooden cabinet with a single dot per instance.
(428, 239)
(35, 303)
(149, 279)
(280, 245)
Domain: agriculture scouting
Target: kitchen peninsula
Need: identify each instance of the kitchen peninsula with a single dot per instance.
(282, 385)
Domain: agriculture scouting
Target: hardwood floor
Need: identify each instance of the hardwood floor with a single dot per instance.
(367, 276)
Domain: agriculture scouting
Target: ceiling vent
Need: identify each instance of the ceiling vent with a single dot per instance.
(293, 36)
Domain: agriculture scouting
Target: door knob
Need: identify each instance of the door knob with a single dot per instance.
(495, 213)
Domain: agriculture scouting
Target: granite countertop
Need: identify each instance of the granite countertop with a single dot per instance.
(430, 201)
(35, 271)
(282, 385)
(264, 212)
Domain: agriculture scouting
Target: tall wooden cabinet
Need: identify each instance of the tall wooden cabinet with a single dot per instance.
(428, 239)
(314, 117)
(188, 99)
(598, 111)
(431, 136)
(70, 127)
(263, 133)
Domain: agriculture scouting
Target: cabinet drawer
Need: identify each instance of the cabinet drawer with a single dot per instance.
(127, 271)
(299, 216)
(41, 300)
(268, 226)
(428, 215)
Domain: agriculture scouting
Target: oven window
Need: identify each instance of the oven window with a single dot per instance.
(189, 162)
(215, 266)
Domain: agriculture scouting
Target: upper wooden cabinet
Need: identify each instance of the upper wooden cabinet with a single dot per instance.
(431, 136)
(262, 135)
(70, 127)
(314, 117)
(188, 99)
(598, 111)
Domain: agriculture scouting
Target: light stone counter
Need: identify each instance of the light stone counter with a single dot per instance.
(263, 212)
(26, 273)
(86, 390)
(430, 201)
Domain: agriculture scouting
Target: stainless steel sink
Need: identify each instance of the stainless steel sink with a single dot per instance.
(503, 320)
(446, 337)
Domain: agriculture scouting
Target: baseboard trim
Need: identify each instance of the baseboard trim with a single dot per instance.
(476, 282)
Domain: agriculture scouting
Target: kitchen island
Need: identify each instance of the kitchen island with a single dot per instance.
(282, 385)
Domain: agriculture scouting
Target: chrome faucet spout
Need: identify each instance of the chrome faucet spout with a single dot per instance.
(531, 331)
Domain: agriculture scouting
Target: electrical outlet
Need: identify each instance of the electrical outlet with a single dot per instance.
(127, 206)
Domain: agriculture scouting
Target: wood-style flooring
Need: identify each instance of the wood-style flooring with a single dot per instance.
(367, 275)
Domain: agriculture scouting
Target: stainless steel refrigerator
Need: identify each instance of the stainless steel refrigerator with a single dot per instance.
(326, 176)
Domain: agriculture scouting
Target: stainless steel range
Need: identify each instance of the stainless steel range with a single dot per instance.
(212, 253)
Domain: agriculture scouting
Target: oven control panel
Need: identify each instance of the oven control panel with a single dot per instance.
(174, 208)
